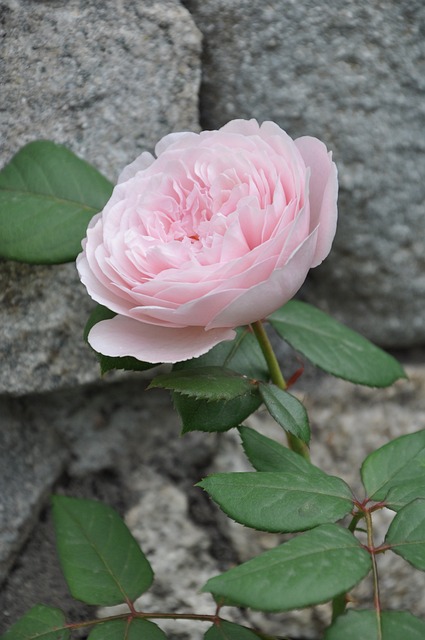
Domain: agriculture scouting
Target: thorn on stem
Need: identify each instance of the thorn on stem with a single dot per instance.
(292, 380)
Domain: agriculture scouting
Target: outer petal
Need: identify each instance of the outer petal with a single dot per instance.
(139, 164)
(97, 284)
(323, 193)
(201, 310)
(172, 138)
(262, 299)
(123, 336)
(244, 127)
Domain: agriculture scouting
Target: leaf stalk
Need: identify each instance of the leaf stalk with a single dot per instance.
(277, 378)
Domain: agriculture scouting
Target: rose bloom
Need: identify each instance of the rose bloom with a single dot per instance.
(218, 231)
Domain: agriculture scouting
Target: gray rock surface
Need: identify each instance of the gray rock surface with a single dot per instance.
(108, 79)
(179, 553)
(105, 426)
(31, 459)
(352, 74)
(116, 429)
(43, 310)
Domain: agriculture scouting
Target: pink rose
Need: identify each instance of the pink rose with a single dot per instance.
(218, 231)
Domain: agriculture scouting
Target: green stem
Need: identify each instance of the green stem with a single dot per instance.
(376, 596)
(270, 356)
(154, 615)
(277, 378)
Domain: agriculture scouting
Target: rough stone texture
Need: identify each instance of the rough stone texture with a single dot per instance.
(36, 576)
(31, 459)
(92, 429)
(178, 551)
(121, 445)
(351, 73)
(108, 79)
(43, 310)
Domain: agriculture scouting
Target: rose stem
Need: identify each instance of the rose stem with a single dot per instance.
(277, 378)
(371, 547)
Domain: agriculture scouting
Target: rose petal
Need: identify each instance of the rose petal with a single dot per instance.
(243, 127)
(323, 193)
(171, 139)
(139, 164)
(219, 230)
(123, 336)
(261, 300)
(200, 309)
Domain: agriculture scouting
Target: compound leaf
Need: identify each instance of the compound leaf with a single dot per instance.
(47, 198)
(123, 630)
(39, 623)
(311, 568)
(333, 347)
(210, 416)
(396, 471)
(230, 631)
(288, 412)
(206, 383)
(243, 355)
(359, 625)
(280, 501)
(101, 561)
(266, 454)
(406, 535)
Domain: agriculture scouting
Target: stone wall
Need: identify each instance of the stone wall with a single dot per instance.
(109, 79)
(106, 78)
(351, 73)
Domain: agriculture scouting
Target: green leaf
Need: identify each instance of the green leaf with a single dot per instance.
(363, 625)
(288, 412)
(333, 347)
(400, 495)
(137, 629)
(406, 534)
(108, 363)
(354, 625)
(401, 624)
(230, 631)
(39, 623)
(47, 198)
(267, 455)
(396, 471)
(206, 383)
(280, 501)
(311, 568)
(207, 416)
(102, 562)
(243, 355)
